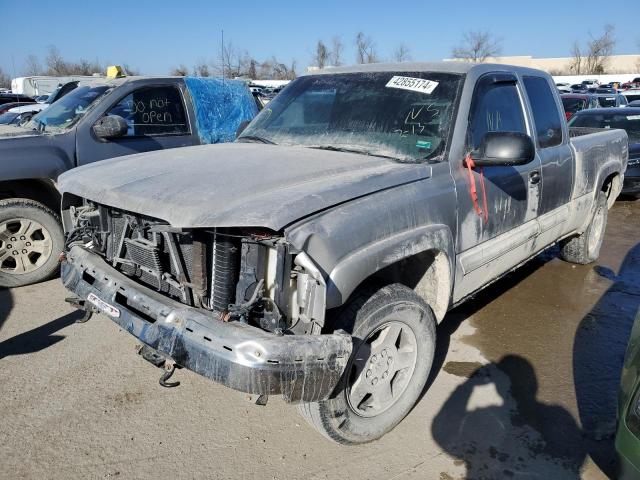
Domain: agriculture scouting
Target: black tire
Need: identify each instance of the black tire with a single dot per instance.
(47, 237)
(585, 248)
(372, 310)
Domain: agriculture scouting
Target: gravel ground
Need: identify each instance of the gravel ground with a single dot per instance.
(524, 385)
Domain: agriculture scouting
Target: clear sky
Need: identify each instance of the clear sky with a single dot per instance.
(154, 36)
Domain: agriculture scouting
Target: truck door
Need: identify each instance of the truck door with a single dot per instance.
(157, 118)
(552, 146)
(495, 231)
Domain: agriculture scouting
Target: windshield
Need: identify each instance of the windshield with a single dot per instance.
(628, 122)
(406, 117)
(68, 110)
(572, 105)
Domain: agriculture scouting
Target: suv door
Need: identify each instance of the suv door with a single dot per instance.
(156, 115)
(496, 241)
(555, 156)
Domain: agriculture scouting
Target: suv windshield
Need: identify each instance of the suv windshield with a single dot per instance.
(628, 122)
(68, 110)
(403, 116)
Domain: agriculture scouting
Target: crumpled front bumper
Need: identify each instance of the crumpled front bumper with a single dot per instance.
(242, 357)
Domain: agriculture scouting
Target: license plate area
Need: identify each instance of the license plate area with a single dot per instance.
(103, 306)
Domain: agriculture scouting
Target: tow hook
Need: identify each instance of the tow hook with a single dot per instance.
(169, 367)
(81, 304)
(154, 358)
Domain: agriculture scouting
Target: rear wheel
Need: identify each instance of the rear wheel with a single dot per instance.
(585, 248)
(394, 343)
(30, 239)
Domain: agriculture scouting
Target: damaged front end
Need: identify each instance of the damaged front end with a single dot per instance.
(238, 306)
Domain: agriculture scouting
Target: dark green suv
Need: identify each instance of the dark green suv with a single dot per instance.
(628, 434)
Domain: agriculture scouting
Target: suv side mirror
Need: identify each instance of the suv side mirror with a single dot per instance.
(504, 149)
(241, 127)
(110, 126)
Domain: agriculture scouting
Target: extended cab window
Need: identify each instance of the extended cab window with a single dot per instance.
(496, 108)
(153, 111)
(545, 112)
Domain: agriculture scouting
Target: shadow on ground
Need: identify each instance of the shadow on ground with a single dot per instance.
(505, 431)
(598, 355)
(38, 338)
(6, 304)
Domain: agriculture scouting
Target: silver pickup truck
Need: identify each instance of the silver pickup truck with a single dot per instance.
(314, 256)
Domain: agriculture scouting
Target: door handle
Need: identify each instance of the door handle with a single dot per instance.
(534, 177)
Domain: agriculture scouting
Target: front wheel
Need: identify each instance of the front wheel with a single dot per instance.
(394, 344)
(30, 239)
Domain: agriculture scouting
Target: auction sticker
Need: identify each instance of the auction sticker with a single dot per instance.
(102, 305)
(633, 117)
(414, 84)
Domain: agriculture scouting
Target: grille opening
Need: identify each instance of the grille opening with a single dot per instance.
(123, 301)
(87, 277)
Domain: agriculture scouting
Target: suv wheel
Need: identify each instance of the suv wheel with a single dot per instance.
(30, 239)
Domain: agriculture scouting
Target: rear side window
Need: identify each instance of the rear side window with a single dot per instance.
(545, 112)
(497, 108)
(153, 111)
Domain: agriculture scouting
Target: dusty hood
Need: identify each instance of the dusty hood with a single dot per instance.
(237, 184)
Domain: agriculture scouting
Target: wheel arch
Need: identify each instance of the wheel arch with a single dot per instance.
(420, 258)
(38, 189)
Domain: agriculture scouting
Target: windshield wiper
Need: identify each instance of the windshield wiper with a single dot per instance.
(256, 138)
(333, 148)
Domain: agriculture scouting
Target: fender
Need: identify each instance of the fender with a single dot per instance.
(350, 271)
(36, 156)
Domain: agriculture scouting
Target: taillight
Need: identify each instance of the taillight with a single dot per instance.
(568, 115)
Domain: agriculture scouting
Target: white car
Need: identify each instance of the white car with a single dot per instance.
(563, 87)
(32, 107)
(631, 94)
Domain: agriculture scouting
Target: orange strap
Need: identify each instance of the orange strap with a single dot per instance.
(484, 211)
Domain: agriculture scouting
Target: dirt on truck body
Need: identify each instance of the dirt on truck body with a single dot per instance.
(314, 256)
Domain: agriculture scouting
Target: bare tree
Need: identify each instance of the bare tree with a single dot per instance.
(32, 65)
(599, 49)
(477, 46)
(321, 54)
(55, 63)
(335, 56)
(575, 66)
(5, 80)
(129, 70)
(201, 69)
(365, 49)
(231, 61)
(181, 71)
(593, 59)
(401, 53)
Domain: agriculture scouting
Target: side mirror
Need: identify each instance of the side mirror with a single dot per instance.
(110, 126)
(504, 149)
(241, 127)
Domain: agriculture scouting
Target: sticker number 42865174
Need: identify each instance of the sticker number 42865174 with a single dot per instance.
(414, 84)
